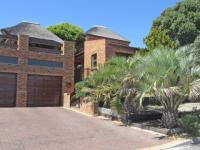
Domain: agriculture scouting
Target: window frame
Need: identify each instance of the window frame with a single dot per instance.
(94, 61)
(45, 63)
(8, 60)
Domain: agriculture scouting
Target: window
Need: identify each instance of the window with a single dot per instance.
(45, 63)
(44, 48)
(8, 60)
(94, 62)
(41, 46)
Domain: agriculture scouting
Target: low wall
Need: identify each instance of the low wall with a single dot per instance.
(89, 108)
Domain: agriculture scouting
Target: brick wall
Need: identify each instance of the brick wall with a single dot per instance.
(68, 78)
(94, 47)
(89, 108)
(115, 48)
(22, 69)
(105, 49)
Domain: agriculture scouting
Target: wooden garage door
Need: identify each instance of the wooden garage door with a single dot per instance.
(7, 89)
(44, 91)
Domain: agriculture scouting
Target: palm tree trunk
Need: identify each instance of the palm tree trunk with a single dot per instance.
(127, 110)
(169, 119)
(128, 107)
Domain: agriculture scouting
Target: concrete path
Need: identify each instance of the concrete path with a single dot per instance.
(61, 129)
(185, 146)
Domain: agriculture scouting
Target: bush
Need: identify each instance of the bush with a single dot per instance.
(104, 84)
(191, 123)
(117, 105)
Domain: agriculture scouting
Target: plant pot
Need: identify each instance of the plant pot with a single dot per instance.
(196, 140)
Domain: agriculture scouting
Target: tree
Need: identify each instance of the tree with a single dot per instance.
(181, 24)
(168, 76)
(162, 39)
(68, 32)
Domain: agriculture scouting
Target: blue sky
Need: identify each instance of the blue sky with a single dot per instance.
(130, 18)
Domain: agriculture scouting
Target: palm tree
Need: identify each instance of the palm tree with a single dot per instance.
(167, 75)
(105, 83)
(192, 54)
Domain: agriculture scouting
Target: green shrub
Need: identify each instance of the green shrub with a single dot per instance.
(104, 84)
(117, 105)
(190, 123)
(84, 88)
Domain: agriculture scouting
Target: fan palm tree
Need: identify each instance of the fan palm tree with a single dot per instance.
(106, 81)
(167, 75)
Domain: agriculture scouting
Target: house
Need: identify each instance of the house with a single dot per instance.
(36, 67)
(100, 44)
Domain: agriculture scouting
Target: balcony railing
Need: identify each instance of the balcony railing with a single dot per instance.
(36, 45)
(45, 46)
(7, 41)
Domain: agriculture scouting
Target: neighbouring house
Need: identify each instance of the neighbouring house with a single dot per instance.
(36, 67)
(100, 45)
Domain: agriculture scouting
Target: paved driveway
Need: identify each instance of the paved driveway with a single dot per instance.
(61, 129)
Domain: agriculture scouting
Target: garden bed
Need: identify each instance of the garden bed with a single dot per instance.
(156, 126)
(153, 125)
(145, 115)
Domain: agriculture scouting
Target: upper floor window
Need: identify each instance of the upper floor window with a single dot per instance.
(94, 61)
(45, 63)
(44, 48)
(8, 60)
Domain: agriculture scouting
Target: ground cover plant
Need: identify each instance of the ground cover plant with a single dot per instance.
(191, 123)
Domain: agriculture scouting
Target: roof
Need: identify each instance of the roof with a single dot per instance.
(32, 30)
(105, 32)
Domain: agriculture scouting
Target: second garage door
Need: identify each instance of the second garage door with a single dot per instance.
(44, 91)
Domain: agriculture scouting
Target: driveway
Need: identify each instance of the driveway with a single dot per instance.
(61, 129)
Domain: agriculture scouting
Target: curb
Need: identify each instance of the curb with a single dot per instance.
(79, 112)
(148, 131)
(166, 145)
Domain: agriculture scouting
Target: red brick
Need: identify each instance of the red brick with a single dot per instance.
(23, 70)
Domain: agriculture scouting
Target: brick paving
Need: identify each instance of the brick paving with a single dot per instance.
(61, 129)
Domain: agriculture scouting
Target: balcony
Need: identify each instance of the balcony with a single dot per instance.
(8, 42)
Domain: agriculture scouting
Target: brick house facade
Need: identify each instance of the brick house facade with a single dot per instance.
(29, 65)
(39, 69)
(100, 45)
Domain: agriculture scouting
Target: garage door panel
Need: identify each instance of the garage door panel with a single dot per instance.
(7, 89)
(7, 82)
(44, 90)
